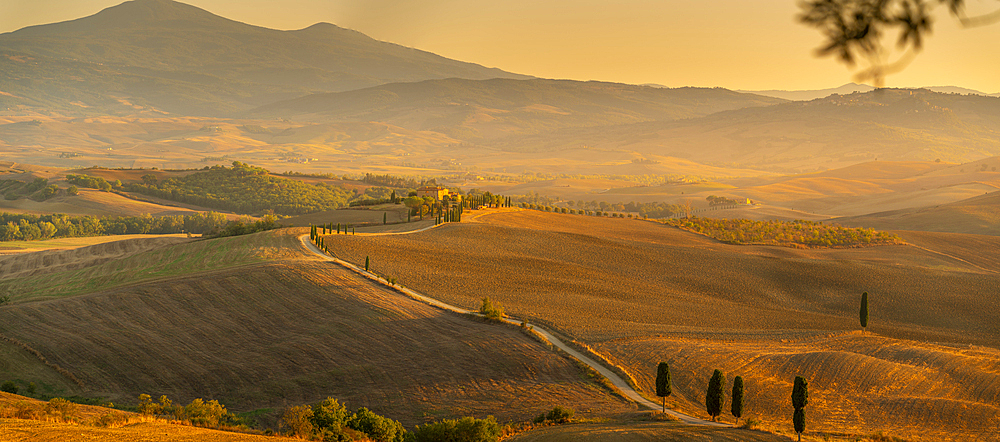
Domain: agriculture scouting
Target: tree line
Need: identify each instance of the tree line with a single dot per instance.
(243, 188)
(26, 227)
(774, 232)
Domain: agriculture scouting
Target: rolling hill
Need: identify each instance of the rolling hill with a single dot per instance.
(177, 58)
(886, 124)
(475, 109)
(976, 215)
(640, 292)
(264, 334)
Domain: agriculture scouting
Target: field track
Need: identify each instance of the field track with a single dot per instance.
(616, 380)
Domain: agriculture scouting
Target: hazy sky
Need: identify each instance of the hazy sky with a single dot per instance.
(737, 44)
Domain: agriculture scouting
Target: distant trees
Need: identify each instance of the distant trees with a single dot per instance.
(774, 232)
(800, 397)
(26, 227)
(863, 314)
(663, 383)
(246, 189)
(715, 398)
(737, 399)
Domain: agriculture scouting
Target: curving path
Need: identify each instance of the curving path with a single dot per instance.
(615, 380)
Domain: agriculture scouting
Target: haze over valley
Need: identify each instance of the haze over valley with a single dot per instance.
(197, 209)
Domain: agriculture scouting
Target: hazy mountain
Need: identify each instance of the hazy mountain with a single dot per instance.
(168, 47)
(886, 124)
(850, 88)
(472, 109)
(807, 95)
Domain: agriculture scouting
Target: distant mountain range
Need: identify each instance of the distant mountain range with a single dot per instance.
(884, 124)
(851, 88)
(497, 108)
(170, 56)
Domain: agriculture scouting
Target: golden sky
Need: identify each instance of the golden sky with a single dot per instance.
(736, 44)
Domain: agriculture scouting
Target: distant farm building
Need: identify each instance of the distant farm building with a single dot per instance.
(437, 193)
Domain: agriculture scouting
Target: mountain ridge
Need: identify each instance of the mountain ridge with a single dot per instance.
(172, 41)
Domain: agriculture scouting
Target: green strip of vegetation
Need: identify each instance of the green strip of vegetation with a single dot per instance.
(796, 233)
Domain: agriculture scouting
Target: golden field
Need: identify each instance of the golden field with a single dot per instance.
(640, 292)
(283, 329)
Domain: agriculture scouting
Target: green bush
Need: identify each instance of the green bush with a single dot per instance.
(466, 429)
(378, 428)
(559, 415)
(9, 387)
(491, 310)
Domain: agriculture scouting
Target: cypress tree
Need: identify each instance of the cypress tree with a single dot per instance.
(799, 421)
(737, 398)
(353, 232)
(663, 383)
(863, 314)
(716, 396)
(800, 397)
(338, 228)
(367, 261)
(384, 218)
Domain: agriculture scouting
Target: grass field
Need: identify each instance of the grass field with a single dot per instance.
(289, 331)
(640, 292)
(54, 274)
(644, 432)
(9, 247)
(85, 426)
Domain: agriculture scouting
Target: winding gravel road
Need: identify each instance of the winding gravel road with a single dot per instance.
(617, 381)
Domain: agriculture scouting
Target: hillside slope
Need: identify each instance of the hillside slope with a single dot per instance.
(885, 124)
(292, 331)
(641, 293)
(498, 108)
(179, 49)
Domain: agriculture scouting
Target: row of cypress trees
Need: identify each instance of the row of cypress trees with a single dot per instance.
(322, 229)
(715, 398)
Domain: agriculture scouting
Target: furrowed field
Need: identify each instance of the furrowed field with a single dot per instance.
(641, 292)
(277, 327)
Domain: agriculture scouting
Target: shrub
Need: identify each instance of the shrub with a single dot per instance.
(378, 428)
(299, 421)
(466, 429)
(491, 310)
(9, 387)
(559, 414)
(204, 413)
(111, 419)
(61, 409)
(32, 388)
(147, 406)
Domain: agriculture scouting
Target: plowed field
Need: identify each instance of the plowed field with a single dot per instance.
(292, 331)
(641, 292)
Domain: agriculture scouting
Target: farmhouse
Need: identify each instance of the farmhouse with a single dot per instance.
(433, 191)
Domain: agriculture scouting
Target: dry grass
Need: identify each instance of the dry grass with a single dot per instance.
(93, 202)
(620, 284)
(13, 247)
(84, 270)
(643, 432)
(283, 333)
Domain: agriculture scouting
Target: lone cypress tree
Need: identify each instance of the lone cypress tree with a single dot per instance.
(716, 396)
(663, 383)
(864, 312)
(800, 397)
(384, 217)
(737, 407)
(367, 261)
